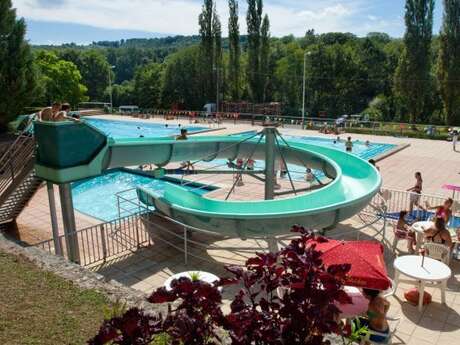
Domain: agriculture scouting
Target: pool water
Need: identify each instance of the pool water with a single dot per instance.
(96, 197)
(136, 129)
(360, 148)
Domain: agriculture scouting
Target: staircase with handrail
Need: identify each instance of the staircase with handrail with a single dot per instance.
(18, 182)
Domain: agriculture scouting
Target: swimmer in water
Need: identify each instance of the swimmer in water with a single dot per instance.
(166, 125)
(141, 136)
(138, 127)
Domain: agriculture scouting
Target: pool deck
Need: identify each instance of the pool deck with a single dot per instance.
(148, 268)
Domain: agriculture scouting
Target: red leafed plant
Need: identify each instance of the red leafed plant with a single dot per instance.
(287, 297)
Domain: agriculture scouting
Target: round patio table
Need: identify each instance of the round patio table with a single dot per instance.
(433, 272)
(419, 229)
(359, 304)
(203, 276)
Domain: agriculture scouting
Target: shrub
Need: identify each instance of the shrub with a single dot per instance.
(287, 297)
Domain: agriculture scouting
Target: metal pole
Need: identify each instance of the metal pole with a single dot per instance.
(110, 89)
(68, 218)
(304, 87)
(217, 93)
(54, 222)
(270, 137)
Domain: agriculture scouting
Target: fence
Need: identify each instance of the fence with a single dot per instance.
(397, 200)
(316, 123)
(105, 241)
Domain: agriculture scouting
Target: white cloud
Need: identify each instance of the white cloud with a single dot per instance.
(180, 16)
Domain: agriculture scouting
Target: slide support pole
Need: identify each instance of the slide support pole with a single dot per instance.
(270, 138)
(54, 222)
(68, 218)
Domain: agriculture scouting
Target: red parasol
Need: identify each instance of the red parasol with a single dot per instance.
(365, 257)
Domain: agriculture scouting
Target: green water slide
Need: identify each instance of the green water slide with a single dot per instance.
(71, 151)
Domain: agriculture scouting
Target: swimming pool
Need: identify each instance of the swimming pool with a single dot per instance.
(96, 197)
(135, 129)
(360, 149)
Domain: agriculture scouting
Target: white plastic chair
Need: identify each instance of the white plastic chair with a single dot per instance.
(438, 252)
(396, 238)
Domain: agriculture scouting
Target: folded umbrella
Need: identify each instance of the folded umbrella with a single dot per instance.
(368, 268)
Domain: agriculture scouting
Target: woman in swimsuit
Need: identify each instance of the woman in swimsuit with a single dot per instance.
(442, 211)
(439, 234)
(416, 192)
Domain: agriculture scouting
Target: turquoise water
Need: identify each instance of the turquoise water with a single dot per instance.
(360, 148)
(135, 129)
(96, 197)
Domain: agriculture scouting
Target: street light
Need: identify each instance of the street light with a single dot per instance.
(110, 88)
(307, 53)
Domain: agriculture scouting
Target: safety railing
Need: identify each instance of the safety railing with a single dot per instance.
(16, 162)
(105, 241)
(418, 205)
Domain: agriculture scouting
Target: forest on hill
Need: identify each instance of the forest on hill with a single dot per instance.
(411, 79)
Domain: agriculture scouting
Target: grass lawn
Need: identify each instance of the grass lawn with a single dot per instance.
(37, 307)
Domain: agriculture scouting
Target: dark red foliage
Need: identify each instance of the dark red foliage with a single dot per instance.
(286, 298)
(134, 327)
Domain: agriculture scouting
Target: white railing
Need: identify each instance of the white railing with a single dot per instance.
(398, 200)
(99, 243)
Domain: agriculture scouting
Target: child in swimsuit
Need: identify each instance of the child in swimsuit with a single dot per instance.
(442, 211)
(403, 231)
(416, 192)
(376, 319)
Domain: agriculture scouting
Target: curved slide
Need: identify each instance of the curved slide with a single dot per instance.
(71, 151)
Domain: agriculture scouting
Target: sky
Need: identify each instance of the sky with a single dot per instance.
(84, 21)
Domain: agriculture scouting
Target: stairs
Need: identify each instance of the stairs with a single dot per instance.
(18, 182)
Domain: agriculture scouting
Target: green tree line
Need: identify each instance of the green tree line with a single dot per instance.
(414, 79)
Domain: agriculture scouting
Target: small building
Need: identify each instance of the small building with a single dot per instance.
(129, 109)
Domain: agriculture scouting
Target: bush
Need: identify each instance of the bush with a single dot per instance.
(286, 298)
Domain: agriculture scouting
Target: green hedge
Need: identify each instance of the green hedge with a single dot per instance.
(396, 133)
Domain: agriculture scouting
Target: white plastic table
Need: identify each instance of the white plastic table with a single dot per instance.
(433, 272)
(419, 229)
(203, 276)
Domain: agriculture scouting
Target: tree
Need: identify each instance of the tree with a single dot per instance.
(217, 51)
(265, 57)
(147, 86)
(254, 21)
(207, 50)
(180, 84)
(95, 73)
(234, 51)
(449, 62)
(18, 77)
(412, 78)
(61, 79)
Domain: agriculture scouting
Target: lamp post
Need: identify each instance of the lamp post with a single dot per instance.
(110, 88)
(307, 53)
